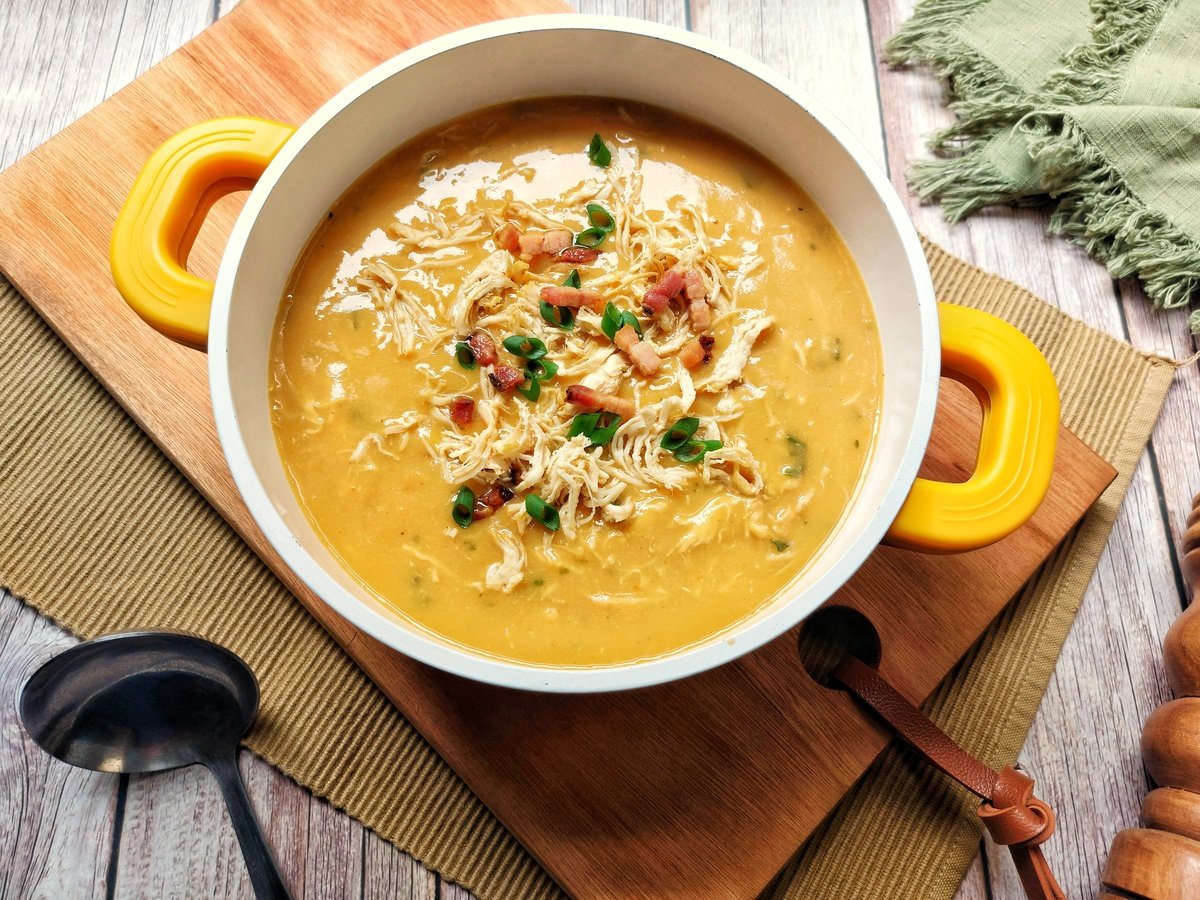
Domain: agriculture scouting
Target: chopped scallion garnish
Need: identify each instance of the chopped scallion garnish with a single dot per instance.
(601, 224)
(591, 237)
(694, 451)
(573, 280)
(541, 369)
(530, 388)
(798, 451)
(559, 316)
(465, 355)
(541, 511)
(524, 346)
(598, 427)
(615, 319)
(780, 546)
(679, 433)
(599, 217)
(598, 152)
(583, 424)
(605, 428)
(463, 509)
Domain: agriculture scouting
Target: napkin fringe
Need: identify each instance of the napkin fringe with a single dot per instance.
(1096, 209)
(1099, 211)
(981, 96)
(964, 184)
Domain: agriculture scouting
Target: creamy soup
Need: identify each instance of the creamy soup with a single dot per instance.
(575, 400)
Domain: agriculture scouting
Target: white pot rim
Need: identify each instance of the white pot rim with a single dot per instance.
(411, 641)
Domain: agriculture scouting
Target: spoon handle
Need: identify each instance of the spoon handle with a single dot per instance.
(264, 876)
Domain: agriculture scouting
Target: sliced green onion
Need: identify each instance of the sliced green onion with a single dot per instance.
(524, 346)
(541, 511)
(541, 369)
(559, 316)
(592, 237)
(599, 217)
(615, 319)
(465, 355)
(601, 224)
(605, 428)
(583, 423)
(798, 451)
(694, 451)
(598, 427)
(679, 433)
(573, 280)
(464, 506)
(610, 322)
(530, 388)
(780, 546)
(598, 152)
(791, 471)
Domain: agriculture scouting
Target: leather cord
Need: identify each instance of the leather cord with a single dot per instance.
(1010, 812)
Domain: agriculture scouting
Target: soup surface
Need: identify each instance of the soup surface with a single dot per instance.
(468, 316)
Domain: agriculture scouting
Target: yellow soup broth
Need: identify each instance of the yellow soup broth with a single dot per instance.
(651, 553)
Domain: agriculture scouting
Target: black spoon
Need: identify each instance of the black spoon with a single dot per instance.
(150, 701)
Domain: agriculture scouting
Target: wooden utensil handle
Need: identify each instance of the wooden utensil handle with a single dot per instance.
(1162, 860)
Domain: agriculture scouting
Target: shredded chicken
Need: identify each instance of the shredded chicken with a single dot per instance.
(510, 571)
(732, 361)
(504, 445)
(492, 276)
(411, 322)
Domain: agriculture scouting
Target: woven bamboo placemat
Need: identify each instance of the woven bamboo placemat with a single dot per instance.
(103, 534)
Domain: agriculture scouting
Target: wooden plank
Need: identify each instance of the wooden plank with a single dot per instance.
(714, 22)
(1177, 435)
(56, 822)
(665, 12)
(1110, 665)
(822, 45)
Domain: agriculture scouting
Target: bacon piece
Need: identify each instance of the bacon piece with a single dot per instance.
(701, 314)
(505, 378)
(490, 500)
(543, 243)
(579, 255)
(508, 237)
(591, 399)
(653, 302)
(462, 410)
(662, 292)
(562, 295)
(696, 353)
(626, 338)
(670, 283)
(483, 347)
(693, 285)
(643, 356)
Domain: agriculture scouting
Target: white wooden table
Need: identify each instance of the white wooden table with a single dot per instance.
(68, 833)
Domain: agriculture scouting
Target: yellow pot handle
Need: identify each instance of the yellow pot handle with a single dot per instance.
(1016, 445)
(161, 217)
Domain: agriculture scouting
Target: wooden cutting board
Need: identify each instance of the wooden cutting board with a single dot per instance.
(697, 789)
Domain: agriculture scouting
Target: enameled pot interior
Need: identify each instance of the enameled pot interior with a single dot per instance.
(539, 61)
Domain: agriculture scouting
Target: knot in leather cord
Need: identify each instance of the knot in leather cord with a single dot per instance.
(1013, 816)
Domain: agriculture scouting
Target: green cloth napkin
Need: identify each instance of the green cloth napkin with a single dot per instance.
(1092, 106)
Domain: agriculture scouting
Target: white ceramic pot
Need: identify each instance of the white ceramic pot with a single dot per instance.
(521, 58)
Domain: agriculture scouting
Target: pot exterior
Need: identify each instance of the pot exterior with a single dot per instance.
(440, 80)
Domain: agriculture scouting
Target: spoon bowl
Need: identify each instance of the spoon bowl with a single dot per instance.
(149, 701)
(140, 702)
